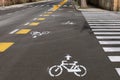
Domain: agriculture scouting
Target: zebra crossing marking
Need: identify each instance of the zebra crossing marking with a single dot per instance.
(106, 28)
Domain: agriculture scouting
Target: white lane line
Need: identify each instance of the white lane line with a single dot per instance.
(118, 71)
(27, 23)
(35, 19)
(111, 49)
(105, 29)
(106, 33)
(114, 58)
(12, 32)
(104, 24)
(40, 15)
(42, 5)
(108, 37)
(109, 42)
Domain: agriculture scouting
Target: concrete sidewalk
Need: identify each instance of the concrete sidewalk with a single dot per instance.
(22, 5)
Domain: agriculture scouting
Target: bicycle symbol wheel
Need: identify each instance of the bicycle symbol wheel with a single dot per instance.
(83, 71)
(55, 71)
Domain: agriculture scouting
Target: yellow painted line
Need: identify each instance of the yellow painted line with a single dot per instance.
(46, 15)
(23, 31)
(5, 45)
(34, 24)
(41, 19)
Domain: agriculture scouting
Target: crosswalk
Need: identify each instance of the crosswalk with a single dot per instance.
(106, 28)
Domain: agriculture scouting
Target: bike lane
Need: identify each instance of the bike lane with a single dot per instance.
(69, 35)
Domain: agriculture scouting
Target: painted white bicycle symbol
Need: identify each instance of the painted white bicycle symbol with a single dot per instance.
(35, 34)
(78, 70)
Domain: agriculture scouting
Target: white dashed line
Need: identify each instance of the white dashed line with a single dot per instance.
(35, 19)
(40, 15)
(12, 32)
(26, 23)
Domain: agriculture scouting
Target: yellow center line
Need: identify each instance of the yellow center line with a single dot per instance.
(41, 19)
(23, 31)
(46, 15)
(5, 45)
(34, 24)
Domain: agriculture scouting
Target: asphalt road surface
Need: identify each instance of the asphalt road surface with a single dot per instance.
(35, 40)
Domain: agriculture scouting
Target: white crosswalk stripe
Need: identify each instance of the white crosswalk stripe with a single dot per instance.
(118, 70)
(109, 42)
(114, 58)
(106, 33)
(106, 28)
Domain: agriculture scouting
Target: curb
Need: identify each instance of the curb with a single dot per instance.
(21, 5)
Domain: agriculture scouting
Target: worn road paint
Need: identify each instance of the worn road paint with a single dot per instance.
(5, 45)
(23, 31)
(12, 32)
(34, 24)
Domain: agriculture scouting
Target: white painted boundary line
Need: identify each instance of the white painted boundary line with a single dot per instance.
(106, 33)
(111, 49)
(105, 29)
(114, 58)
(108, 37)
(109, 42)
(12, 32)
(118, 71)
